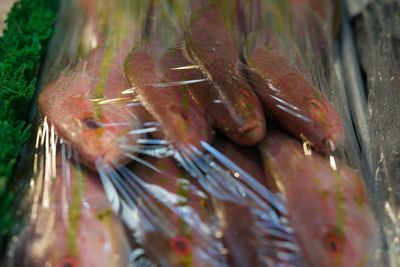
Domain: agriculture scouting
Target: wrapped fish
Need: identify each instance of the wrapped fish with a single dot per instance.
(85, 103)
(145, 95)
(336, 226)
(210, 45)
(70, 214)
(112, 106)
(276, 245)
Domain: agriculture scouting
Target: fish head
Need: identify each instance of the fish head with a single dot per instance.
(179, 250)
(96, 128)
(97, 245)
(38, 244)
(72, 225)
(345, 234)
(50, 241)
(327, 203)
(68, 261)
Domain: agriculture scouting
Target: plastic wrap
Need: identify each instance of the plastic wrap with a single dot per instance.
(22, 44)
(216, 130)
(70, 213)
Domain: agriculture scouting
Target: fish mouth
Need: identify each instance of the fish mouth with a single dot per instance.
(251, 134)
(106, 160)
(113, 152)
(104, 155)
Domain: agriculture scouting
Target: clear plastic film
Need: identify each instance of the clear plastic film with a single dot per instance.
(292, 51)
(70, 222)
(217, 130)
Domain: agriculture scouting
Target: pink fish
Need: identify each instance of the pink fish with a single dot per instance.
(233, 107)
(249, 238)
(86, 103)
(173, 220)
(182, 119)
(72, 224)
(292, 100)
(237, 220)
(326, 200)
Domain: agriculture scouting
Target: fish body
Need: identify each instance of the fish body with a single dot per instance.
(180, 229)
(95, 129)
(278, 76)
(308, 25)
(291, 99)
(76, 227)
(182, 119)
(237, 220)
(211, 47)
(326, 200)
(86, 104)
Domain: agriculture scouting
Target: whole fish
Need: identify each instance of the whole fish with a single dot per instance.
(86, 104)
(210, 46)
(274, 67)
(292, 100)
(72, 223)
(326, 200)
(182, 119)
(170, 216)
(95, 127)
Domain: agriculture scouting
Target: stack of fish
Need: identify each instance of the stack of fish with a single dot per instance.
(203, 125)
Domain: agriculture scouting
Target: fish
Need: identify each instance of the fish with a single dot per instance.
(95, 129)
(308, 25)
(86, 104)
(237, 223)
(327, 202)
(276, 72)
(246, 18)
(238, 220)
(182, 119)
(211, 47)
(291, 99)
(71, 222)
(170, 216)
(248, 238)
(187, 243)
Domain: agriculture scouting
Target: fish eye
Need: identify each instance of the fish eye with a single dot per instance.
(68, 261)
(91, 123)
(333, 241)
(316, 104)
(181, 245)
